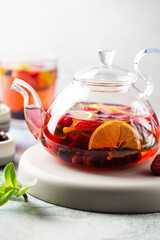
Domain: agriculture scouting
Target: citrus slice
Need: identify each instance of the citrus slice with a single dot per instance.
(82, 115)
(97, 106)
(78, 116)
(114, 109)
(115, 134)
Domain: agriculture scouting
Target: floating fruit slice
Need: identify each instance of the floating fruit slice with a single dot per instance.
(82, 115)
(121, 111)
(115, 134)
(78, 117)
(98, 106)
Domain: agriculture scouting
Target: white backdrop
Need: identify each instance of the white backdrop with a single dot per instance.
(75, 29)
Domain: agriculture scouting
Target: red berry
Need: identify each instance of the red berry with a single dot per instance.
(109, 117)
(67, 122)
(155, 166)
(99, 112)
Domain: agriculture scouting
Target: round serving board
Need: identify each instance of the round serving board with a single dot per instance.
(133, 190)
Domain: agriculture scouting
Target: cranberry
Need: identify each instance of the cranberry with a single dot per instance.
(109, 117)
(155, 166)
(67, 122)
(99, 112)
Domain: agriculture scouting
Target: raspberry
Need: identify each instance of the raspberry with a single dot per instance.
(99, 112)
(155, 166)
(109, 117)
(67, 122)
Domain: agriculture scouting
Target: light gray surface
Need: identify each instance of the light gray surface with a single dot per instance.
(39, 220)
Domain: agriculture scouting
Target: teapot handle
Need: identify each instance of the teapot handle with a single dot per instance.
(147, 92)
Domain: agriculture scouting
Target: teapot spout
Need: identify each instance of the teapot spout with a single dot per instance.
(33, 110)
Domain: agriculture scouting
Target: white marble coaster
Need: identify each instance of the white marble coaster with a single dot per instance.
(133, 190)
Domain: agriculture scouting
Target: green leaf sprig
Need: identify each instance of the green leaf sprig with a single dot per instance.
(9, 186)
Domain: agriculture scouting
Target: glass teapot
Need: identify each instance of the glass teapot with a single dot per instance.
(99, 120)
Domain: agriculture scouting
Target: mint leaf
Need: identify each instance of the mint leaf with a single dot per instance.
(8, 188)
(10, 175)
(26, 186)
(9, 185)
(6, 197)
(3, 187)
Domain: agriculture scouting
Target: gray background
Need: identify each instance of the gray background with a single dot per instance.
(75, 30)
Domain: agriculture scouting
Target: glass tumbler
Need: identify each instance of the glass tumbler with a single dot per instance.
(39, 72)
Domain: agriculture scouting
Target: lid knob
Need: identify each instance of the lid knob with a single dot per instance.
(106, 57)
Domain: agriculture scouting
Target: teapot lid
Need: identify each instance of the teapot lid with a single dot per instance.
(106, 73)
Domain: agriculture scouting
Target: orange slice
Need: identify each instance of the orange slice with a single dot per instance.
(115, 134)
(113, 108)
(77, 115)
(82, 115)
(97, 106)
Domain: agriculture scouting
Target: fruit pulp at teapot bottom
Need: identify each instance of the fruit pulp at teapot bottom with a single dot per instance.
(103, 135)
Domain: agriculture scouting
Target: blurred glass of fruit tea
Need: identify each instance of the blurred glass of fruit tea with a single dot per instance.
(40, 73)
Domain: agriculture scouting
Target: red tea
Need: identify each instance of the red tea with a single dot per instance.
(100, 135)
